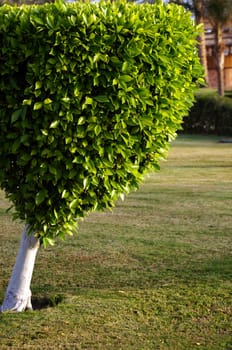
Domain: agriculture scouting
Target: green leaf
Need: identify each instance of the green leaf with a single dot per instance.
(27, 102)
(125, 66)
(81, 121)
(68, 140)
(54, 124)
(97, 129)
(38, 85)
(66, 99)
(85, 182)
(15, 115)
(74, 203)
(46, 241)
(56, 214)
(72, 20)
(37, 105)
(101, 98)
(50, 20)
(34, 19)
(88, 101)
(47, 101)
(64, 194)
(44, 132)
(40, 197)
(53, 170)
(125, 78)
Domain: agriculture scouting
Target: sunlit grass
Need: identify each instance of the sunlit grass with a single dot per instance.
(156, 273)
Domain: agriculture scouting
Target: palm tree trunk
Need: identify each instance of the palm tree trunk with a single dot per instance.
(18, 294)
(220, 58)
(201, 39)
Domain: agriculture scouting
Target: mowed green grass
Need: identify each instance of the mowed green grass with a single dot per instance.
(153, 274)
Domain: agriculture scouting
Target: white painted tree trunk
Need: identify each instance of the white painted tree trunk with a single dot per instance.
(18, 294)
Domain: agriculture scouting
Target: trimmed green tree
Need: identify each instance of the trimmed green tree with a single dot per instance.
(90, 97)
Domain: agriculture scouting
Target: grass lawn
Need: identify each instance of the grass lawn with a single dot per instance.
(213, 91)
(154, 274)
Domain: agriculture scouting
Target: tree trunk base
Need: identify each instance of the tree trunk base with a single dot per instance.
(18, 294)
(16, 303)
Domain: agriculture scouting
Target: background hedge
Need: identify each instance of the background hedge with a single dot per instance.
(90, 96)
(210, 114)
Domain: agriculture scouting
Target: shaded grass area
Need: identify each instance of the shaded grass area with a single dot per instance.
(156, 273)
(213, 91)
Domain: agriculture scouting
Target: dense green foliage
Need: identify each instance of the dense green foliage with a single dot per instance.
(90, 96)
(21, 2)
(211, 114)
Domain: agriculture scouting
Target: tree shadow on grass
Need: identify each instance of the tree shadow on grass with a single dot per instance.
(143, 275)
(40, 303)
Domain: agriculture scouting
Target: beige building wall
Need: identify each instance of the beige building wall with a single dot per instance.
(212, 72)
